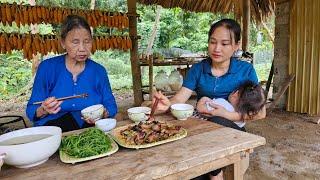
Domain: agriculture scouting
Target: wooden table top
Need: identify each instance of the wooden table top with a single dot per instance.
(206, 142)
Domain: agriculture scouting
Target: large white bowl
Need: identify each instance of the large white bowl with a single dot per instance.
(31, 153)
(182, 111)
(94, 112)
(106, 124)
(138, 114)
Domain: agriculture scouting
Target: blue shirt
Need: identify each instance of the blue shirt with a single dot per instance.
(200, 79)
(53, 79)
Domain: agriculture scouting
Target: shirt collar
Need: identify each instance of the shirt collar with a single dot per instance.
(232, 67)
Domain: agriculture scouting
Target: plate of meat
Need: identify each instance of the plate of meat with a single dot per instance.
(146, 134)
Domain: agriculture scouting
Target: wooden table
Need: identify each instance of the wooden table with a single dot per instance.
(208, 146)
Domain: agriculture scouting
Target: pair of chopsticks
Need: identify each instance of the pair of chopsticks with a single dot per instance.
(153, 109)
(65, 98)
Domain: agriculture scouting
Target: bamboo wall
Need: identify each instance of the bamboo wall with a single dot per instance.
(304, 57)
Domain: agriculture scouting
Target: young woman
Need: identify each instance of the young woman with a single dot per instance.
(217, 76)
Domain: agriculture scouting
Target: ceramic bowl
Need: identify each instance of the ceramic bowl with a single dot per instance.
(94, 112)
(106, 124)
(138, 114)
(181, 111)
(29, 147)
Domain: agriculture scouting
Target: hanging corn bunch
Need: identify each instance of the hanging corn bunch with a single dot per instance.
(22, 15)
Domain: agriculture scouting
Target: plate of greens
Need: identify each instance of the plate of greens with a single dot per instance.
(87, 145)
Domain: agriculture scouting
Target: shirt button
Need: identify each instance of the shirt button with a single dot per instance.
(73, 105)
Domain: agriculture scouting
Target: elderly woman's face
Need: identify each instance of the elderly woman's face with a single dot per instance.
(78, 44)
(221, 46)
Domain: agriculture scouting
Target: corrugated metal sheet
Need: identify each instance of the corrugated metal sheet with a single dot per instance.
(304, 57)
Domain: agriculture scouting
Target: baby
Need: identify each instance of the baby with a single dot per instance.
(247, 100)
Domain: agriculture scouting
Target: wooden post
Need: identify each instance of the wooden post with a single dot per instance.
(246, 24)
(135, 64)
(150, 60)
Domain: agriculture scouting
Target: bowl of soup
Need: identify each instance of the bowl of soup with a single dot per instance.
(30, 147)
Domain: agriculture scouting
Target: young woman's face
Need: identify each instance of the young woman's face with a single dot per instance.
(221, 46)
(78, 44)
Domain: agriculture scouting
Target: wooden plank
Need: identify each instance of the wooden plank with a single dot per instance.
(237, 171)
(206, 142)
(135, 66)
(205, 168)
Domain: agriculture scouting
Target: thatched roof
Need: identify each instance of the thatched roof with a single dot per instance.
(260, 9)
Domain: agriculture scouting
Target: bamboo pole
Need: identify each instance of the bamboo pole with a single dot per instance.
(135, 64)
(246, 25)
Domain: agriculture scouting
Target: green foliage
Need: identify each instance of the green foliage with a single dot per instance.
(118, 66)
(114, 63)
(15, 1)
(15, 73)
(263, 71)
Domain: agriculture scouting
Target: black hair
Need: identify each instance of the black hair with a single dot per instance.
(251, 99)
(71, 22)
(232, 25)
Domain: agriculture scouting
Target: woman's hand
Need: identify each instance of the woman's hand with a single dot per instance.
(217, 110)
(202, 106)
(163, 104)
(214, 110)
(92, 121)
(88, 120)
(50, 106)
(220, 111)
(105, 113)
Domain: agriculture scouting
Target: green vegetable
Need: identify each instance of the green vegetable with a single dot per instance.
(88, 143)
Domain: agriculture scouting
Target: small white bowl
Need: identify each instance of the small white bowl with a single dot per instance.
(94, 112)
(182, 111)
(36, 146)
(138, 114)
(106, 124)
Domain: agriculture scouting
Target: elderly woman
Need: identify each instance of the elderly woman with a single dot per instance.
(70, 74)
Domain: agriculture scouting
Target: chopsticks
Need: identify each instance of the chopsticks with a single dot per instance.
(65, 98)
(153, 109)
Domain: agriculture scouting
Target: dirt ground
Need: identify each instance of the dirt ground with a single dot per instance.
(292, 150)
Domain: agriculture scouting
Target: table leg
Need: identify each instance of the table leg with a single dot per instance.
(244, 162)
(233, 171)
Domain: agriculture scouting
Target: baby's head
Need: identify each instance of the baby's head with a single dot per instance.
(248, 99)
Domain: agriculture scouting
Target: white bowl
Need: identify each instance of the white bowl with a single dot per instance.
(94, 112)
(182, 111)
(39, 144)
(138, 114)
(106, 124)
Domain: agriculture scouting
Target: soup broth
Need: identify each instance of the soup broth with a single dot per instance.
(24, 139)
